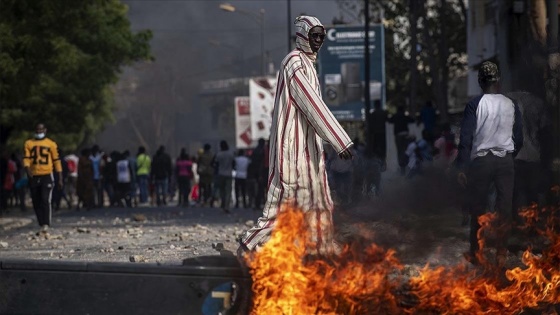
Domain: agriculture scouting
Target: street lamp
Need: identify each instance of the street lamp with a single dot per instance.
(258, 17)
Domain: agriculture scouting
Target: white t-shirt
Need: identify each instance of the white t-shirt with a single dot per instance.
(72, 162)
(123, 171)
(241, 165)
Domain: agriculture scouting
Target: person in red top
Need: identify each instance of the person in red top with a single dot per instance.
(183, 168)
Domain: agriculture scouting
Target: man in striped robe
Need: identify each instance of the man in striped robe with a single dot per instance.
(301, 122)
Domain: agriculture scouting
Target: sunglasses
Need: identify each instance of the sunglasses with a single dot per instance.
(318, 36)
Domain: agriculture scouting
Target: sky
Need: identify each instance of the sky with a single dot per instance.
(225, 34)
(195, 41)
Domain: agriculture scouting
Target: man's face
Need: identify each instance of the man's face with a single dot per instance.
(316, 38)
(40, 129)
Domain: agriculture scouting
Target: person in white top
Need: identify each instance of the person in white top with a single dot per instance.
(491, 136)
(72, 162)
(241, 165)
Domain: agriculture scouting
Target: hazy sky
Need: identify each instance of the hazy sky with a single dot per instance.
(202, 23)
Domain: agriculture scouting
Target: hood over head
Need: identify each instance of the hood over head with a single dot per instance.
(303, 24)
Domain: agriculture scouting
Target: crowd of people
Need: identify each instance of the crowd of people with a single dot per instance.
(96, 179)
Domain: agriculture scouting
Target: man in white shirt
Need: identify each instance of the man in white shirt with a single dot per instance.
(491, 135)
(241, 165)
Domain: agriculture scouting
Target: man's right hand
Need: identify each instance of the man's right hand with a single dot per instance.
(29, 174)
(462, 179)
(346, 154)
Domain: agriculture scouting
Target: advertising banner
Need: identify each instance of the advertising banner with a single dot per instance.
(342, 69)
(243, 138)
(261, 95)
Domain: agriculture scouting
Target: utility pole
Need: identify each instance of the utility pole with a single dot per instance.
(367, 94)
(289, 2)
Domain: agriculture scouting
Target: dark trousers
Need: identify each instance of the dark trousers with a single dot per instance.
(98, 192)
(204, 192)
(123, 193)
(184, 189)
(483, 172)
(223, 184)
(527, 184)
(41, 192)
(379, 145)
(241, 191)
(262, 185)
(401, 142)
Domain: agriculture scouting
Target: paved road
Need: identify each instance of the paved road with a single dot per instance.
(166, 235)
(410, 216)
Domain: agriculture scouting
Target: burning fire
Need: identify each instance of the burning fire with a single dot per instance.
(287, 281)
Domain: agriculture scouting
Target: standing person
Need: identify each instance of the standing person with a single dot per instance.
(533, 160)
(241, 166)
(3, 171)
(378, 119)
(59, 193)
(96, 158)
(161, 171)
(40, 160)
(133, 180)
(109, 176)
(226, 163)
(428, 117)
(143, 169)
(400, 121)
(184, 172)
(300, 123)
(491, 135)
(84, 183)
(123, 180)
(72, 162)
(9, 180)
(206, 173)
(21, 182)
(257, 168)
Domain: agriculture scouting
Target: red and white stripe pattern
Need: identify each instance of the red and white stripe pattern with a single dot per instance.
(300, 123)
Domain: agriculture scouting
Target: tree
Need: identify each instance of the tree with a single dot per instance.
(425, 45)
(59, 60)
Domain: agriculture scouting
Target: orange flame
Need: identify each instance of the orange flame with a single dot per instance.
(371, 281)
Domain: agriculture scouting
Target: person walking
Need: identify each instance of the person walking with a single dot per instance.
(40, 161)
(143, 169)
(301, 122)
(184, 172)
(491, 136)
(241, 167)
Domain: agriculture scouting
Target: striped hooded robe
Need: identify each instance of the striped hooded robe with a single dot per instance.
(300, 123)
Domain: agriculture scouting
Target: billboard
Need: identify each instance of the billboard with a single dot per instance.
(261, 95)
(243, 137)
(342, 70)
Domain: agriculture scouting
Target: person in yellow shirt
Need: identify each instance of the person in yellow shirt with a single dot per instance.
(40, 159)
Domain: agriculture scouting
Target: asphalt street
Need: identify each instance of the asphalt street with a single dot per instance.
(165, 235)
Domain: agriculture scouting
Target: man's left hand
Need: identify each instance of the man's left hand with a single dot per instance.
(60, 183)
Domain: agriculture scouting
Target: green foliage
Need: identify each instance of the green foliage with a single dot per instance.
(441, 37)
(58, 60)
